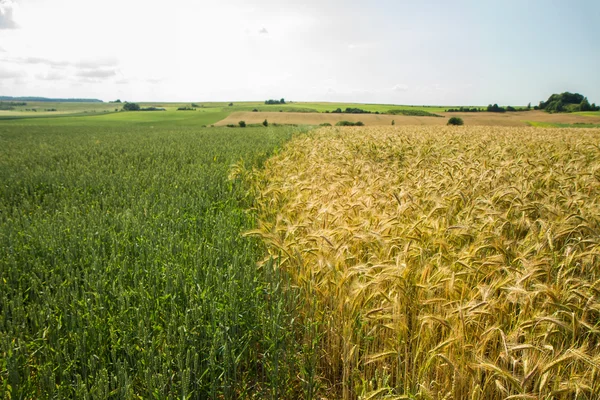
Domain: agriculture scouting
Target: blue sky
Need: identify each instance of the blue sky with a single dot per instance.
(428, 52)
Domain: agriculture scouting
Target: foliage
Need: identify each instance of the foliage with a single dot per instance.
(131, 107)
(567, 102)
(242, 124)
(455, 121)
(464, 109)
(349, 123)
(186, 109)
(325, 124)
(351, 110)
(413, 113)
(495, 108)
(270, 102)
(265, 122)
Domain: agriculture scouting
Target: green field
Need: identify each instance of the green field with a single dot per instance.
(123, 271)
(86, 109)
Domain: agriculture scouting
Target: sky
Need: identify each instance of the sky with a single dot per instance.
(380, 51)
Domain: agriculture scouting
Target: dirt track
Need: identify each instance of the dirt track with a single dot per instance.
(475, 119)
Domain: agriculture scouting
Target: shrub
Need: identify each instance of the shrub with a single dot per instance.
(255, 110)
(455, 121)
(265, 122)
(131, 107)
(325, 124)
(393, 122)
(349, 123)
(242, 124)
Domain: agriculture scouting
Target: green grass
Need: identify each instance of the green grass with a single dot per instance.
(559, 125)
(123, 271)
(589, 113)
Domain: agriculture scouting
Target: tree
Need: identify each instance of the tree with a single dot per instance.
(230, 104)
(242, 124)
(265, 123)
(131, 107)
(393, 122)
(455, 121)
(282, 101)
(529, 106)
(585, 105)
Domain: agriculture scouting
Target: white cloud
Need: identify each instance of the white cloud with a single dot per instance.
(400, 88)
(50, 76)
(97, 73)
(9, 73)
(6, 15)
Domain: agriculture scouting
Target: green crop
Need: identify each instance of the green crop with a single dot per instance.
(123, 272)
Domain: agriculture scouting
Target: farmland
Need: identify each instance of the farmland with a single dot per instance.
(150, 255)
(123, 271)
(519, 119)
(442, 262)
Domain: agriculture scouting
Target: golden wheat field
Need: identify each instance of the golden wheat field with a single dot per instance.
(442, 262)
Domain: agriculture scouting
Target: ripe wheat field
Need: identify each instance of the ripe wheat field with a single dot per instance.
(440, 262)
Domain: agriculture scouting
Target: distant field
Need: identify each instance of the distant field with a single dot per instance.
(150, 118)
(475, 119)
(61, 108)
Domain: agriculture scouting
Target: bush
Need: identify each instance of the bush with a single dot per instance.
(242, 124)
(131, 107)
(349, 123)
(325, 124)
(265, 123)
(455, 121)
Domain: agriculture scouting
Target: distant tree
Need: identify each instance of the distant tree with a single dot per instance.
(230, 104)
(585, 105)
(131, 107)
(455, 121)
(242, 124)
(529, 106)
(265, 123)
(282, 101)
(393, 122)
(495, 108)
